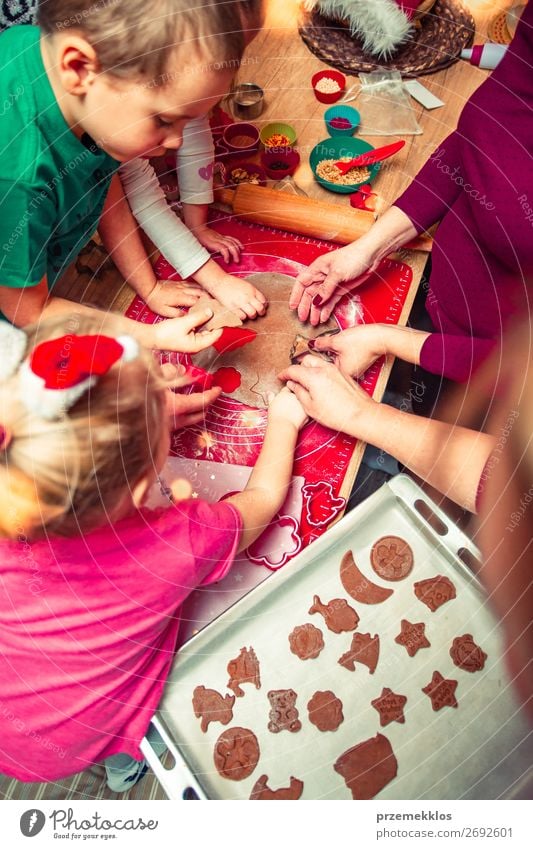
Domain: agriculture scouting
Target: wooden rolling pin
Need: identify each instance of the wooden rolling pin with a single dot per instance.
(304, 216)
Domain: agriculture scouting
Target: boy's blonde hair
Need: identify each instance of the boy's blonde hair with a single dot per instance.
(135, 38)
(72, 475)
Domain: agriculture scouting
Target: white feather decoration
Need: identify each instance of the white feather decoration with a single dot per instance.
(379, 24)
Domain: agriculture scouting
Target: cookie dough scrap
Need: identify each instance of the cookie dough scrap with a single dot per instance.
(236, 753)
(211, 706)
(222, 316)
(412, 636)
(325, 710)
(300, 349)
(306, 641)
(261, 791)
(466, 654)
(244, 669)
(337, 613)
(364, 649)
(392, 558)
(434, 592)
(441, 691)
(283, 711)
(389, 706)
(368, 767)
(358, 586)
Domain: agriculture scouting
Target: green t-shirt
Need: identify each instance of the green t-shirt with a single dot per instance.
(52, 186)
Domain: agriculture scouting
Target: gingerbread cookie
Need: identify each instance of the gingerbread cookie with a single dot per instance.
(212, 707)
(262, 792)
(466, 654)
(412, 636)
(391, 558)
(244, 669)
(325, 710)
(441, 691)
(364, 649)
(283, 711)
(236, 753)
(337, 613)
(389, 706)
(368, 767)
(359, 587)
(434, 592)
(306, 641)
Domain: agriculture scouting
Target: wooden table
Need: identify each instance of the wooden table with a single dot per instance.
(282, 65)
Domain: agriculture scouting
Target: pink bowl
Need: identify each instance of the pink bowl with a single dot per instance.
(337, 77)
(286, 157)
(235, 135)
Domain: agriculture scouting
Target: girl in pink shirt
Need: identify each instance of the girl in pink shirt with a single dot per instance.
(90, 582)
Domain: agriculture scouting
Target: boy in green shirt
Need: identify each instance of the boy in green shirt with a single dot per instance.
(98, 84)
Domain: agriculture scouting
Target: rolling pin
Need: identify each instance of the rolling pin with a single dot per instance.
(305, 216)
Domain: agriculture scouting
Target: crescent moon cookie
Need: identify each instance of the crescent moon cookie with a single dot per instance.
(236, 753)
(434, 592)
(306, 641)
(358, 586)
(391, 558)
(466, 654)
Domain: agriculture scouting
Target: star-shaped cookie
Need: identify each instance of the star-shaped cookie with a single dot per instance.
(389, 706)
(441, 691)
(412, 636)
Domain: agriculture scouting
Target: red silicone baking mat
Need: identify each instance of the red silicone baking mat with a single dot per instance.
(233, 432)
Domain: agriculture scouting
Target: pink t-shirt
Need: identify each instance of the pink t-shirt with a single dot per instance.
(88, 630)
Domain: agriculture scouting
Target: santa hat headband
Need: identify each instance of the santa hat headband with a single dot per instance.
(59, 371)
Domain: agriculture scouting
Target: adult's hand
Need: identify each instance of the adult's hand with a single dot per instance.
(329, 396)
(319, 287)
(354, 350)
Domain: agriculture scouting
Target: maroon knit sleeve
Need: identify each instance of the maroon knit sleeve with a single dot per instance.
(435, 187)
(455, 357)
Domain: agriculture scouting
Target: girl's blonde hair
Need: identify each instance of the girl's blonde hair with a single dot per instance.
(136, 38)
(71, 475)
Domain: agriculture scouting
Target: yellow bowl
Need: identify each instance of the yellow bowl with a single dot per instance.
(270, 131)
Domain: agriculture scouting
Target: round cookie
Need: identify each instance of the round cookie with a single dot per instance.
(466, 654)
(391, 558)
(306, 641)
(236, 753)
(325, 710)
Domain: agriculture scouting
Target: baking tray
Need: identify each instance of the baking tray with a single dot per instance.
(474, 751)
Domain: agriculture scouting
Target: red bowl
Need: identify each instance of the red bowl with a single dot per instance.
(286, 159)
(235, 135)
(337, 77)
(250, 169)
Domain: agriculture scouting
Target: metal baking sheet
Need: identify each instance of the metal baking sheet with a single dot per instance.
(473, 751)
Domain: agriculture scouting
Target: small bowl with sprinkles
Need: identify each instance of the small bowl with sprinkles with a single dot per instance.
(276, 136)
(327, 152)
(341, 120)
(328, 86)
(280, 163)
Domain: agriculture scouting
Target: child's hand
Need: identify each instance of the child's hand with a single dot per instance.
(185, 410)
(168, 295)
(228, 247)
(178, 334)
(239, 296)
(285, 405)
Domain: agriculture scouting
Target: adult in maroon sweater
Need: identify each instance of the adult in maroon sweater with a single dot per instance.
(479, 185)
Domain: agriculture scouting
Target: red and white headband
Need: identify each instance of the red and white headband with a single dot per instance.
(59, 371)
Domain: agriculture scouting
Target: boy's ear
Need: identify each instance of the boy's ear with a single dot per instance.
(140, 491)
(77, 64)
